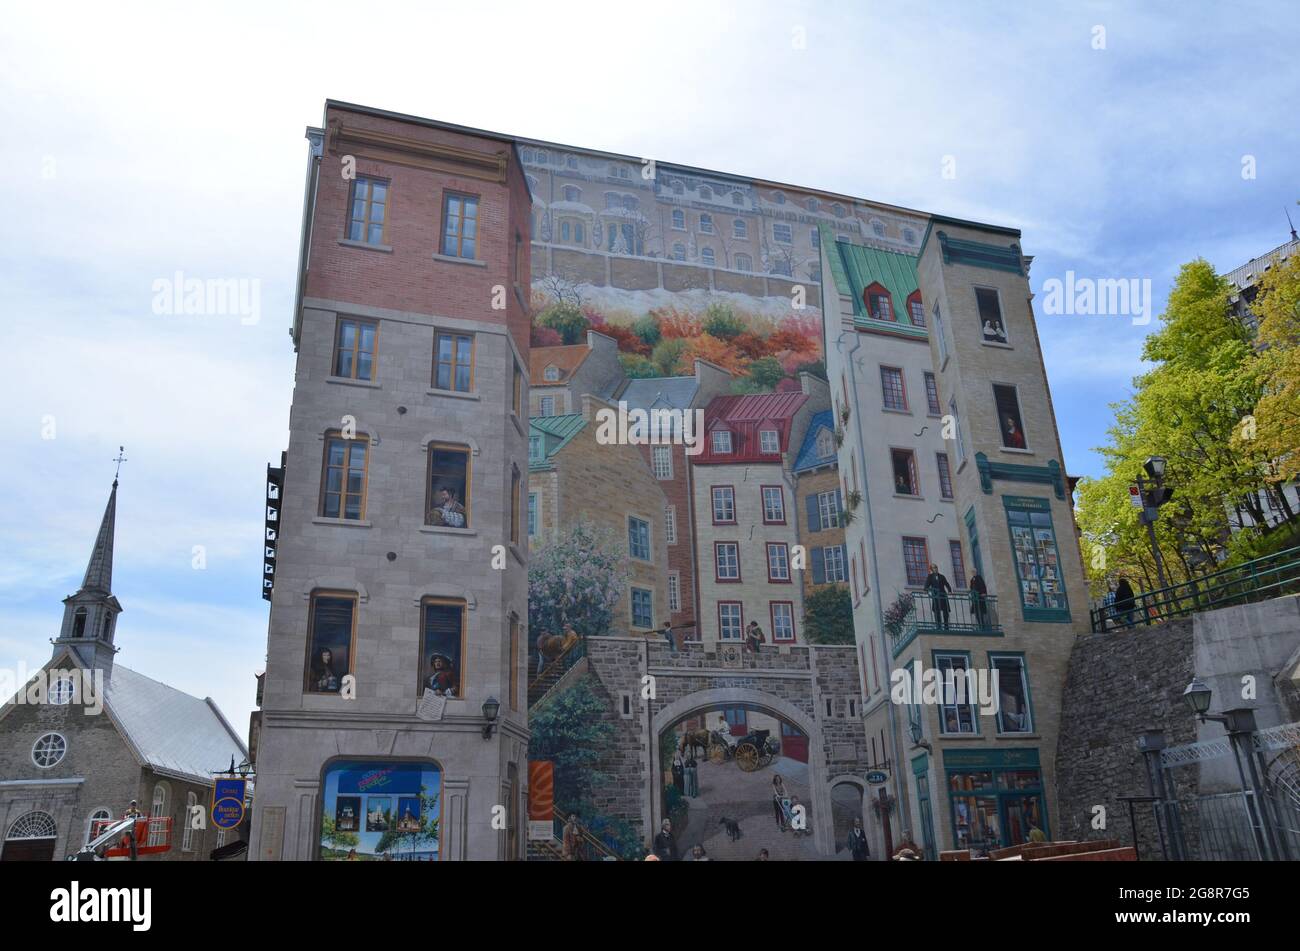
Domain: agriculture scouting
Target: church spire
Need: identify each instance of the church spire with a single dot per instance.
(90, 615)
(99, 572)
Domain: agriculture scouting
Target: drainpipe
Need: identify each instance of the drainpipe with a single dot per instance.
(869, 526)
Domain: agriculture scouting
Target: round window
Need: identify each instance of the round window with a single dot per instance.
(49, 750)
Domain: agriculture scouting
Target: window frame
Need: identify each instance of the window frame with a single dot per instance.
(443, 234)
(771, 613)
(763, 442)
(841, 564)
(1020, 417)
(717, 564)
(740, 622)
(762, 495)
(713, 504)
(465, 502)
(641, 524)
(366, 221)
(943, 466)
(971, 706)
(455, 336)
(420, 675)
(662, 452)
(362, 439)
(914, 474)
(933, 405)
(885, 388)
(1026, 687)
(358, 324)
(1002, 316)
(925, 566)
(784, 549)
(633, 591)
(339, 595)
(674, 591)
(61, 748)
(670, 524)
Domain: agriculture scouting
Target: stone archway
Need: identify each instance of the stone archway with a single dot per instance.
(716, 698)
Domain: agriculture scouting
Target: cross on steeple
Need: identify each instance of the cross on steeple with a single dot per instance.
(121, 458)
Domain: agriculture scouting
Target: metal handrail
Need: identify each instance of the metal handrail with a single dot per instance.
(1267, 576)
(557, 827)
(957, 612)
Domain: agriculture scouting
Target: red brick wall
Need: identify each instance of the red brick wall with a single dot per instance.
(681, 558)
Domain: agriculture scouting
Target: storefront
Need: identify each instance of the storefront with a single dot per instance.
(995, 797)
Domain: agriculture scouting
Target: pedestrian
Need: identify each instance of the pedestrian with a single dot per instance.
(857, 844)
(979, 593)
(1124, 601)
(938, 587)
(780, 801)
(669, 636)
(679, 774)
(692, 777)
(665, 847)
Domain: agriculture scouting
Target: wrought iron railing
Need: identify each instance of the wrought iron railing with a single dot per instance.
(1268, 577)
(593, 847)
(958, 612)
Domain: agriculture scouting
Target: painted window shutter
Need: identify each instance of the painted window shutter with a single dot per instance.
(819, 563)
(839, 502)
(814, 514)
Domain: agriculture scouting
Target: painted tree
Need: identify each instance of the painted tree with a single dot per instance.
(567, 320)
(577, 579)
(571, 732)
(331, 836)
(828, 615)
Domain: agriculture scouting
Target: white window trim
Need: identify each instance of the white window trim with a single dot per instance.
(63, 753)
(664, 452)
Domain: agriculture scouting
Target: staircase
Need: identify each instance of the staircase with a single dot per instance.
(552, 850)
(548, 682)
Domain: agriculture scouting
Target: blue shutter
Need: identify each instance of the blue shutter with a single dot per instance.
(814, 514)
(819, 565)
(839, 504)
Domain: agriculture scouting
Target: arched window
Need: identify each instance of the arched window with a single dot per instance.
(812, 204)
(678, 187)
(679, 219)
(744, 262)
(706, 224)
(33, 825)
(706, 256)
(187, 837)
(542, 156)
(161, 796)
(778, 197)
(571, 161)
(706, 193)
(838, 210)
(565, 230)
(740, 228)
(679, 251)
(737, 198)
(62, 691)
(48, 751)
(878, 227)
(878, 302)
(572, 193)
(99, 815)
(915, 312)
(79, 623)
(106, 629)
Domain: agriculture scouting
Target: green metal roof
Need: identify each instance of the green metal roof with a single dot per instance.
(856, 267)
(554, 433)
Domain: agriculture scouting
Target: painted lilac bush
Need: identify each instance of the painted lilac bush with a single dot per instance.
(577, 579)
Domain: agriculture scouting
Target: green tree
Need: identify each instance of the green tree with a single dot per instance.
(828, 615)
(567, 320)
(331, 837)
(766, 372)
(647, 328)
(1276, 426)
(667, 354)
(815, 368)
(637, 367)
(577, 579)
(721, 321)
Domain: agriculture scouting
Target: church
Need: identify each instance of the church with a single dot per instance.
(84, 736)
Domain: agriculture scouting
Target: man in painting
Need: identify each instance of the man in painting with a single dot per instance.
(324, 679)
(665, 846)
(442, 676)
(453, 513)
(938, 586)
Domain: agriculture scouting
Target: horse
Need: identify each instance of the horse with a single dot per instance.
(696, 738)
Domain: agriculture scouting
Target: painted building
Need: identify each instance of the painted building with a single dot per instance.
(559, 376)
(819, 502)
(393, 710)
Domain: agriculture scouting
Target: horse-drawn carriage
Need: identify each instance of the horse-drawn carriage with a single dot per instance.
(756, 750)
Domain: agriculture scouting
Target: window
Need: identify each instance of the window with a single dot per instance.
(1013, 714)
(838, 210)
(769, 441)
(354, 349)
(678, 187)
(515, 497)
(536, 449)
(878, 301)
(932, 395)
(63, 690)
(893, 391)
(551, 374)
(958, 564)
(781, 233)
(79, 623)
(956, 694)
(670, 524)
(724, 504)
(187, 837)
(744, 262)
(572, 193)
(343, 489)
(679, 251)
(453, 367)
(546, 406)
(781, 266)
(721, 440)
(740, 228)
(726, 557)
(98, 816)
(679, 220)
(990, 310)
(514, 661)
(773, 505)
(904, 464)
(942, 340)
(448, 501)
(1038, 563)
(517, 396)
(909, 236)
(532, 514)
(916, 561)
(638, 538)
(459, 226)
(442, 647)
(674, 591)
(662, 461)
(161, 803)
(331, 640)
(737, 198)
(815, 237)
(956, 429)
(730, 620)
(825, 443)
(368, 206)
(706, 193)
(832, 564)
(877, 227)
(706, 224)
(915, 311)
(707, 257)
(1009, 425)
(782, 621)
(945, 475)
(48, 750)
(778, 561)
(828, 510)
(778, 197)
(811, 204)
(642, 608)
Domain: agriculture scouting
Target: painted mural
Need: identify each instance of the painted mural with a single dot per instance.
(380, 811)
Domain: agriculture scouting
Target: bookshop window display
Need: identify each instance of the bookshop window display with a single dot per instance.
(380, 811)
(1037, 559)
(996, 798)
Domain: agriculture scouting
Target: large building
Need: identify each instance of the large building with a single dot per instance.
(393, 712)
(72, 758)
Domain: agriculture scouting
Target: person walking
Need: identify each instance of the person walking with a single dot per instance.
(938, 587)
(679, 774)
(665, 847)
(1124, 601)
(779, 801)
(572, 841)
(692, 777)
(857, 844)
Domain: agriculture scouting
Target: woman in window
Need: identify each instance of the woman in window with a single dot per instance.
(442, 676)
(1012, 437)
(323, 676)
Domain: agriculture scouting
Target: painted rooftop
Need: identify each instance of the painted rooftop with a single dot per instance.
(671, 392)
(565, 359)
(855, 267)
(744, 417)
(808, 456)
(547, 435)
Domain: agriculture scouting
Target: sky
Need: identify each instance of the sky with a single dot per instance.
(144, 140)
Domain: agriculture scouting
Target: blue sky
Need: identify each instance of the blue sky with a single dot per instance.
(167, 140)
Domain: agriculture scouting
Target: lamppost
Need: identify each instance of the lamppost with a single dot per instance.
(1240, 726)
(1154, 494)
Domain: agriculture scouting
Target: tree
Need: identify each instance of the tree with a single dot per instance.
(766, 372)
(577, 580)
(571, 731)
(567, 320)
(828, 615)
(1276, 429)
(721, 321)
(331, 837)
(637, 367)
(395, 840)
(667, 355)
(647, 328)
(564, 287)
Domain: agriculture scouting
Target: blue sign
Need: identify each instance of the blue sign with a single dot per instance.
(877, 777)
(228, 803)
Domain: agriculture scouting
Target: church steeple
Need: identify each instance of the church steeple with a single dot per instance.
(90, 615)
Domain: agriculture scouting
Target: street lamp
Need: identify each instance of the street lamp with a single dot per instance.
(1154, 494)
(491, 706)
(1198, 696)
(1155, 467)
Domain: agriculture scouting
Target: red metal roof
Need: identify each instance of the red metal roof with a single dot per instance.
(743, 417)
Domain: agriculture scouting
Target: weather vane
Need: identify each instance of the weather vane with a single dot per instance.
(121, 458)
